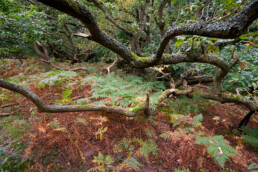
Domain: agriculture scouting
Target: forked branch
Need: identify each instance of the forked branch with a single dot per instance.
(228, 29)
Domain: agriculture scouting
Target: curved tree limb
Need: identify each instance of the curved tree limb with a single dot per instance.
(225, 30)
(224, 97)
(79, 11)
(228, 29)
(42, 107)
(201, 58)
(227, 97)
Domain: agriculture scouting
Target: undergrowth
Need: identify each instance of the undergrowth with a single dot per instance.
(177, 139)
(12, 129)
(123, 90)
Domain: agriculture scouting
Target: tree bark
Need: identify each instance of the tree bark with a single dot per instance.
(42, 107)
(42, 55)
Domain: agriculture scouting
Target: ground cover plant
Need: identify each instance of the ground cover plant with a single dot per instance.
(128, 85)
(88, 141)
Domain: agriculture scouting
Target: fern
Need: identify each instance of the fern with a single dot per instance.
(103, 163)
(150, 133)
(253, 167)
(130, 163)
(217, 148)
(251, 136)
(125, 145)
(65, 97)
(83, 101)
(83, 121)
(187, 106)
(124, 90)
(147, 147)
(54, 77)
(178, 170)
(197, 120)
(165, 135)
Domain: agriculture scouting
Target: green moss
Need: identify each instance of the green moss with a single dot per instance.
(166, 55)
(142, 59)
(137, 108)
(85, 105)
(163, 94)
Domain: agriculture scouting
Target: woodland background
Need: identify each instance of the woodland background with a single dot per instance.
(128, 85)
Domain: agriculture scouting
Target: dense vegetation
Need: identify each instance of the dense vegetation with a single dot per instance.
(128, 85)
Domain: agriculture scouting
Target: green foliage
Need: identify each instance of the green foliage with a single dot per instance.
(66, 99)
(103, 163)
(58, 76)
(54, 124)
(185, 121)
(197, 120)
(178, 170)
(124, 90)
(102, 54)
(131, 163)
(244, 75)
(187, 106)
(13, 127)
(83, 121)
(253, 167)
(150, 133)
(12, 162)
(217, 148)
(125, 145)
(148, 146)
(22, 25)
(250, 136)
(165, 135)
(66, 94)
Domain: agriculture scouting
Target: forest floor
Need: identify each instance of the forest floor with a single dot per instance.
(98, 141)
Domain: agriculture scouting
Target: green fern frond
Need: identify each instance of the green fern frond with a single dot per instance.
(132, 164)
(148, 146)
(178, 170)
(150, 133)
(103, 163)
(124, 145)
(83, 121)
(217, 148)
(126, 89)
(253, 167)
(251, 136)
(197, 120)
(165, 135)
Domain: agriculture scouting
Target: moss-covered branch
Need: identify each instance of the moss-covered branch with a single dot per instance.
(42, 107)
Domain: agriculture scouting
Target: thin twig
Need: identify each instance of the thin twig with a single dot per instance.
(109, 67)
(4, 106)
(229, 14)
(172, 82)
(233, 51)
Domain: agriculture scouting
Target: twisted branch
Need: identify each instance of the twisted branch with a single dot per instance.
(42, 107)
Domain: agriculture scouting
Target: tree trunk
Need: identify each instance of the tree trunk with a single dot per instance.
(42, 55)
